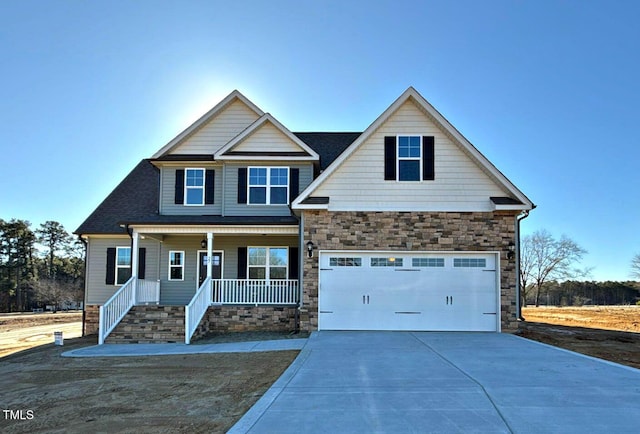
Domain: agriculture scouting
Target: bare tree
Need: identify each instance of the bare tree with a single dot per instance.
(635, 266)
(527, 262)
(545, 258)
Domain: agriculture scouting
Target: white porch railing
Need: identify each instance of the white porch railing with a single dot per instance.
(196, 309)
(255, 291)
(112, 312)
(148, 292)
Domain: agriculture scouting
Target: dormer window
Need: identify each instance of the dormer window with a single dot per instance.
(194, 187)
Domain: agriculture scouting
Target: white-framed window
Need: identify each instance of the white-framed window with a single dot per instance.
(409, 158)
(268, 262)
(469, 262)
(386, 262)
(345, 262)
(194, 186)
(176, 265)
(123, 265)
(427, 262)
(268, 185)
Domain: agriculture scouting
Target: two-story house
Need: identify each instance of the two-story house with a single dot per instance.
(240, 224)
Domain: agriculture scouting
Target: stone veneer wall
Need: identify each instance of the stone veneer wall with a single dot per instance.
(247, 318)
(91, 319)
(224, 319)
(410, 231)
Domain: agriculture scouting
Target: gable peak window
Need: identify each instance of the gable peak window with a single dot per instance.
(409, 158)
(268, 185)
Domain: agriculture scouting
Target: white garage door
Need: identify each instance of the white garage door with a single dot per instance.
(366, 290)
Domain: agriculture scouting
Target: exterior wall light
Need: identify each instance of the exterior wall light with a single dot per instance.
(512, 250)
(203, 243)
(310, 248)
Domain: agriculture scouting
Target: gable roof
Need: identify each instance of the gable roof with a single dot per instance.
(180, 138)
(301, 201)
(227, 151)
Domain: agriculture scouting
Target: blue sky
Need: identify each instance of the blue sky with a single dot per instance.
(547, 90)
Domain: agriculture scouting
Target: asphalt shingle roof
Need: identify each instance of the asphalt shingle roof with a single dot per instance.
(135, 198)
(131, 203)
(328, 145)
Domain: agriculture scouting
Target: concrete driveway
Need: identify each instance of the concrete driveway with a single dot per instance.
(403, 382)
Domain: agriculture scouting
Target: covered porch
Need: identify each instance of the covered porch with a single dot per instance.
(202, 266)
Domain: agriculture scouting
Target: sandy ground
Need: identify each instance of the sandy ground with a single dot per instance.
(607, 332)
(621, 318)
(22, 331)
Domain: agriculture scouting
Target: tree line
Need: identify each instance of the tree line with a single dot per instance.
(549, 271)
(39, 268)
(584, 293)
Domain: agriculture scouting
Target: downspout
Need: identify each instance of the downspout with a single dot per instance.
(300, 267)
(519, 218)
(84, 305)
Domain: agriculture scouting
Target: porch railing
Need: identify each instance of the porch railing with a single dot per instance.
(196, 309)
(148, 292)
(255, 291)
(112, 312)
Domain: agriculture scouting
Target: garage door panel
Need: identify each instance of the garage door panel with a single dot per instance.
(408, 291)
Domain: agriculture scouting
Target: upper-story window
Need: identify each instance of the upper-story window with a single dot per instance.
(409, 158)
(268, 185)
(194, 186)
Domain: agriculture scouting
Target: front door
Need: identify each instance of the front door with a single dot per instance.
(216, 266)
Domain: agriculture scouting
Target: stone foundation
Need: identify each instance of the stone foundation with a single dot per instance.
(91, 319)
(410, 231)
(223, 319)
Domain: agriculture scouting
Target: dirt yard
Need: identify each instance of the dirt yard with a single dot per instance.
(195, 393)
(607, 332)
(209, 393)
(20, 331)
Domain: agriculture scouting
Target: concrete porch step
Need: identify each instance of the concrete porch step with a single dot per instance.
(150, 324)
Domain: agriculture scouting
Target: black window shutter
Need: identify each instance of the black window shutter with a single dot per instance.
(242, 185)
(111, 266)
(294, 184)
(142, 262)
(179, 195)
(209, 186)
(242, 262)
(294, 265)
(390, 158)
(428, 158)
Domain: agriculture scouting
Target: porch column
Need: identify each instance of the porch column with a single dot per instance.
(134, 262)
(209, 254)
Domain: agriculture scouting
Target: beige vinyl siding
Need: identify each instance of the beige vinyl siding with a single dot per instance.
(179, 293)
(233, 208)
(97, 291)
(232, 120)
(267, 138)
(459, 185)
(168, 188)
